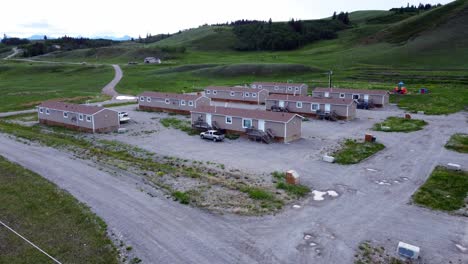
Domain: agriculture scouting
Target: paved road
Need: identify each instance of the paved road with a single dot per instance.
(162, 231)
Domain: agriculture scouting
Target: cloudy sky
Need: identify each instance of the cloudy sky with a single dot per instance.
(138, 17)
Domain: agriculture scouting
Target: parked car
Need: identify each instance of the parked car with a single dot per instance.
(214, 135)
(123, 117)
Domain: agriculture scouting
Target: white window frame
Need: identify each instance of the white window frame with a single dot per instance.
(289, 88)
(148, 99)
(190, 103)
(246, 94)
(259, 86)
(233, 93)
(47, 111)
(208, 91)
(276, 87)
(65, 114)
(215, 92)
(298, 104)
(228, 122)
(312, 106)
(358, 96)
(182, 102)
(342, 95)
(254, 86)
(254, 95)
(89, 118)
(296, 89)
(41, 110)
(245, 119)
(142, 98)
(326, 94)
(167, 101)
(80, 117)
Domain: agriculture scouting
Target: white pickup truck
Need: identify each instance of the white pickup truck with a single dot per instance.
(123, 117)
(214, 135)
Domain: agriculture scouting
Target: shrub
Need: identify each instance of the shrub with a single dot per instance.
(182, 197)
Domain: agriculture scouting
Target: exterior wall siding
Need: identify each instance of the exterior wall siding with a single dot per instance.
(376, 99)
(106, 121)
(238, 96)
(284, 89)
(56, 116)
(174, 105)
(306, 109)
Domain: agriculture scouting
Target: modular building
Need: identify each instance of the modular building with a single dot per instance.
(236, 94)
(378, 98)
(171, 102)
(282, 88)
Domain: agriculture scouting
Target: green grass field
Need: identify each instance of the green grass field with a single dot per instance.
(400, 124)
(458, 142)
(353, 152)
(25, 85)
(444, 190)
(49, 217)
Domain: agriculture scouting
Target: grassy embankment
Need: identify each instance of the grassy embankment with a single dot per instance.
(458, 142)
(353, 152)
(444, 190)
(25, 85)
(49, 217)
(399, 124)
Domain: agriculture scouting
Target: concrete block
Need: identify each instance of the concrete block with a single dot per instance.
(292, 177)
(329, 159)
(453, 166)
(122, 130)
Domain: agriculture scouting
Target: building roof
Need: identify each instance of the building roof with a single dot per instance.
(310, 99)
(278, 83)
(226, 88)
(345, 90)
(246, 113)
(77, 108)
(171, 95)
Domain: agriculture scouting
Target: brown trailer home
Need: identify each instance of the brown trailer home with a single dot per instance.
(171, 102)
(378, 98)
(283, 127)
(87, 118)
(310, 106)
(282, 88)
(236, 94)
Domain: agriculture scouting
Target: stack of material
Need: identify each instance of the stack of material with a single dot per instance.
(407, 116)
(292, 177)
(453, 166)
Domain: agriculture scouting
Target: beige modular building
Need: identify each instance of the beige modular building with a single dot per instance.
(285, 127)
(282, 88)
(171, 102)
(378, 98)
(310, 106)
(236, 94)
(85, 118)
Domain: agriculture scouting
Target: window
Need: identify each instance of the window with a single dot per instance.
(148, 99)
(299, 104)
(327, 94)
(247, 94)
(47, 111)
(233, 94)
(276, 87)
(254, 94)
(315, 107)
(228, 119)
(80, 117)
(208, 92)
(182, 102)
(355, 96)
(215, 92)
(289, 88)
(167, 101)
(342, 95)
(65, 114)
(254, 86)
(142, 98)
(190, 103)
(41, 110)
(259, 86)
(89, 118)
(297, 89)
(246, 123)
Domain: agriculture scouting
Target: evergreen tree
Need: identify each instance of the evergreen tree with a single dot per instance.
(45, 37)
(346, 19)
(334, 15)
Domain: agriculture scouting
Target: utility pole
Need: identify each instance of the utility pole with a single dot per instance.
(330, 73)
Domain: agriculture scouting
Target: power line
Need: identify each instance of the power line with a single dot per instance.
(32, 244)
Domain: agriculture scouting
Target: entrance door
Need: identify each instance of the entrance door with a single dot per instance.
(281, 103)
(327, 94)
(366, 98)
(327, 108)
(208, 119)
(261, 125)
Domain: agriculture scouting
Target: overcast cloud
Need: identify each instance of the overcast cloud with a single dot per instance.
(138, 17)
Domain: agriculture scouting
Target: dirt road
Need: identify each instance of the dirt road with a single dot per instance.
(109, 89)
(162, 231)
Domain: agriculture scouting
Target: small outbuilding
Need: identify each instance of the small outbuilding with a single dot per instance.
(282, 88)
(86, 118)
(171, 102)
(311, 106)
(152, 60)
(236, 94)
(378, 98)
(282, 127)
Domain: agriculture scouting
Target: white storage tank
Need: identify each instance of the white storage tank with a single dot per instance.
(407, 250)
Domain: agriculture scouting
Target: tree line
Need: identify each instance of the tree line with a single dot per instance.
(413, 8)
